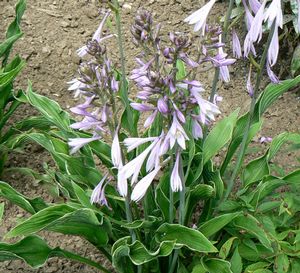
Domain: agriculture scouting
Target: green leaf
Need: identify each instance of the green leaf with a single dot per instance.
(8, 76)
(1, 211)
(29, 205)
(219, 136)
(225, 248)
(14, 28)
(216, 265)
(253, 267)
(265, 100)
(138, 254)
(7, 44)
(184, 236)
(255, 170)
(35, 252)
(250, 224)
(66, 220)
(295, 64)
(49, 109)
(40, 220)
(281, 264)
(217, 223)
(236, 261)
(82, 196)
(198, 193)
(181, 72)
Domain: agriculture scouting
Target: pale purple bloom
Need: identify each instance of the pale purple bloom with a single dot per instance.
(274, 12)
(88, 123)
(224, 74)
(254, 5)
(265, 139)
(134, 142)
(77, 86)
(271, 74)
(77, 143)
(141, 107)
(176, 183)
(141, 187)
(116, 154)
(249, 16)
(98, 194)
(273, 49)
(207, 109)
(133, 167)
(199, 17)
(217, 99)
(236, 46)
(153, 159)
(122, 184)
(150, 119)
(162, 106)
(249, 85)
(196, 129)
(97, 36)
(177, 134)
(255, 32)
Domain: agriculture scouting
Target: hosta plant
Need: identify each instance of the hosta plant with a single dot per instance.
(137, 177)
(9, 69)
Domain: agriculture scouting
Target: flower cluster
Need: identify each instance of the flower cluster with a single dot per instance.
(96, 83)
(256, 14)
(174, 99)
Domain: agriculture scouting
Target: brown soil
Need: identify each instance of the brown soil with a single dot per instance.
(53, 30)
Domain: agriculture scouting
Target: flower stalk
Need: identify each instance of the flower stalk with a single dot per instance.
(244, 143)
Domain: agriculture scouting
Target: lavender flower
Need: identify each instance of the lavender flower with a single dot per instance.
(249, 17)
(236, 46)
(96, 37)
(116, 155)
(177, 134)
(176, 183)
(199, 17)
(249, 85)
(77, 143)
(141, 187)
(265, 139)
(98, 194)
(254, 5)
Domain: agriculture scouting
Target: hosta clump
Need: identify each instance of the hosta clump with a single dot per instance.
(158, 202)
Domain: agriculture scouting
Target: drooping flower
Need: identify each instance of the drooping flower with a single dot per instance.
(141, 187)
(177, 134)
(116, 155)
(176, 183)
(77, 143)
(249, 16)
(255, 32)
(199, 17)
(133, 167)
(236, 46)
(254, 5)
(265, 139)
(98, 194)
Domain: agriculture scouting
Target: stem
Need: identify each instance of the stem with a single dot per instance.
(129, 217)
(124, 92)
(244, 143)
(214, 84)
(181, 214)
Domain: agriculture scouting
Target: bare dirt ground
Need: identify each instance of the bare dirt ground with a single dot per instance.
(53, 30)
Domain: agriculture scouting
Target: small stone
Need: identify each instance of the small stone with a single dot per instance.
(65, 24)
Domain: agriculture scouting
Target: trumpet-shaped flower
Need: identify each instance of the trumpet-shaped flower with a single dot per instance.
(98, 194)
(77, 143)
(177, 134)
(133, 167)
(116, 155)
(236, 46)
(141, 187)
(199, 17)
(176, 183)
